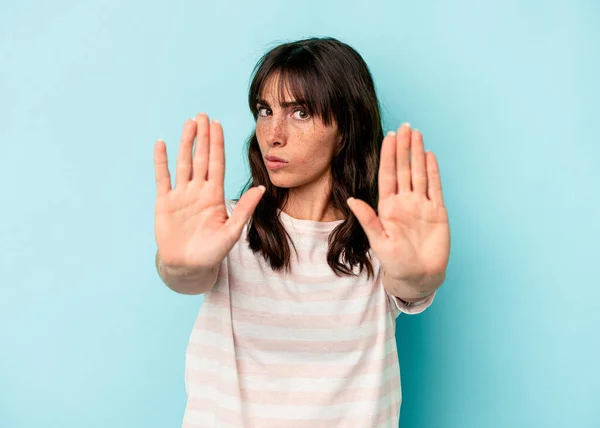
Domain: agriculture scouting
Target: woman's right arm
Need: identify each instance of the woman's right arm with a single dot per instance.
(193, 229)
(187, 282)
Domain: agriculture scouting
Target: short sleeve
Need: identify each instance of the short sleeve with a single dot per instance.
(411, 308)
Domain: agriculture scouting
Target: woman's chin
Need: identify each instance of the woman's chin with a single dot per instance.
(285, 183)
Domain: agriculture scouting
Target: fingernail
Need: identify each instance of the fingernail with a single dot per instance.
(261, 187)
(216, 121)
(407, 124)
(391, 133)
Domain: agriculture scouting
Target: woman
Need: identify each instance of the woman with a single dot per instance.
(302, 338)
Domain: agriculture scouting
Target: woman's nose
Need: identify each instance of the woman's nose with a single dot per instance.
(277, 132)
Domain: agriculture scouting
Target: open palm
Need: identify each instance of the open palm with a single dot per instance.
(411, 235)
(192, 227)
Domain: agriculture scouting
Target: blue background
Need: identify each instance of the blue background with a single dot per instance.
(506, 93)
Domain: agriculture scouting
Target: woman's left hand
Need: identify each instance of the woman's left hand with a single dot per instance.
(411, 236)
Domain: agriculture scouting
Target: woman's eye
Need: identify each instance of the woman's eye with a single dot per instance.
(305, 114)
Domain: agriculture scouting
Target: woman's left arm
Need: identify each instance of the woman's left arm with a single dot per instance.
(411, 235)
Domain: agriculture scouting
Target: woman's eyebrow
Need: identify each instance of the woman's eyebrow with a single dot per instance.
(284, 104)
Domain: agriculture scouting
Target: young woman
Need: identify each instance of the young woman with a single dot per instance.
(302, 338)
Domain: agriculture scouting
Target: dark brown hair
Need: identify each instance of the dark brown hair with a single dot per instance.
(332, 81)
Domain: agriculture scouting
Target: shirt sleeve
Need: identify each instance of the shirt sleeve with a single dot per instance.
(412, 308)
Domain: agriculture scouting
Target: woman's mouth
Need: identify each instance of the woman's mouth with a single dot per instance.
(275, 162)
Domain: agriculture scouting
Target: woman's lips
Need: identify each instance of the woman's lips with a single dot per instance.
(272, 165)
(275, 162)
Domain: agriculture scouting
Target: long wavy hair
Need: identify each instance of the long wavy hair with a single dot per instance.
(332, 81)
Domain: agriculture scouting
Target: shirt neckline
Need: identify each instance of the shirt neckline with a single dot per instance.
(317, 226)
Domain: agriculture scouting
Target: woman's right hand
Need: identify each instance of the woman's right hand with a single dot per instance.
(192, 229)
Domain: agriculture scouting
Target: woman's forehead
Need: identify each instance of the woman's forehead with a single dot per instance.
(270, 90)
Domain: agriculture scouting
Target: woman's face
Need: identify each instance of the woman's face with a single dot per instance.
(289, 132)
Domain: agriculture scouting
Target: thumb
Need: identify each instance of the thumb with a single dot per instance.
(244, 208)
(367, 217)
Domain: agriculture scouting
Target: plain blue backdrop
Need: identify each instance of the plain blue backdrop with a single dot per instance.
(506, 93)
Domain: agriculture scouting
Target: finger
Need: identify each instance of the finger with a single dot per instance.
(417, 164)
(184, 158)
(216, 166)
(402, 158)
(387, 166)
(434, 180)
(202, 148)
(243, 210)
(161, 168)
(367, 217)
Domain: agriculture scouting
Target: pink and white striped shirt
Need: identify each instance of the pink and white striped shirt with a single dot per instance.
(306, 349)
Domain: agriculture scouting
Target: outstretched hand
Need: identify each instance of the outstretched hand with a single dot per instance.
(192, 228)
(411, 235)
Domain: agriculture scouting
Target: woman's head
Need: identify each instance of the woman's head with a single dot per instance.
(286, 128)
(331, 139)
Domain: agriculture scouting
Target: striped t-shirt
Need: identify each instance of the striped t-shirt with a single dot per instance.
(305, 349)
